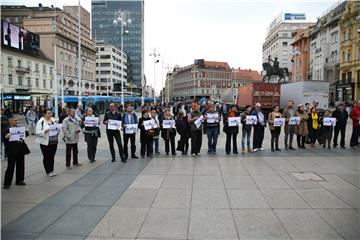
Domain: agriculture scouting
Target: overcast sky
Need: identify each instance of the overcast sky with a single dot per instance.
(217, 30)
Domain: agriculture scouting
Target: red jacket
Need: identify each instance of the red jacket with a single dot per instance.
(355, 116)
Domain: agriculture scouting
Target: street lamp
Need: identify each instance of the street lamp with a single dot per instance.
(195, 71)
(155, 54)
(123, 19)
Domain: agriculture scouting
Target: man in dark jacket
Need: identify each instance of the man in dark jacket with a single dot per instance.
(341, 116)
(129, 118)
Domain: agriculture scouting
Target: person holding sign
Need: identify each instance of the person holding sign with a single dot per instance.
(246, 129)
(130, 124)
(355, 117)
(183, 128)
(195, 130)
(326, 131)
(212, 127)
(289, 129)
(341, 116)
(231, 131)
(15, 151)
(301, 129)
(168, 131)
(274, 129)
(112, 133)
(314, 125)
(48, 144)
(146, 136)
(71, 129)
(259, 128)
(91, 133)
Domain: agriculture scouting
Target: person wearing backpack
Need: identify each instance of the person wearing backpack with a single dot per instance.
(48, 144)
(129, 118)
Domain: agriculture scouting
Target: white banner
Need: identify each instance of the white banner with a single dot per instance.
(251, 120)
(131, 128)
(150, 124)
(168, 124)
(91, 121)
(279, 122)
(55, 129)
(212, 117)
(114, 125)
(234, 121)
(329, 121)
(198, 121)
(294, 121)
(17, 133)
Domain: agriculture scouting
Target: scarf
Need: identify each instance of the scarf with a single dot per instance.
(231, 114)
(314, 117)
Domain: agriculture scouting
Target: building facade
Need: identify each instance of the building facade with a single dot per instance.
(26, 79)
(301, 55)
(58, 31)
(348, 87)
(279, 38)
(111, 69)
(103, 16)
(325, 48)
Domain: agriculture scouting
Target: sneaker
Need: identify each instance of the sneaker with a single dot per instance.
(193, 154)
(255, 150)
(261, 149)
(21, 184)
(52, 174)
(134, 157)
(113, 160)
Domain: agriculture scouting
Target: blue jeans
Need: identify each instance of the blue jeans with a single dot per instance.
(156, 142)
(246, 134)
(212, 134)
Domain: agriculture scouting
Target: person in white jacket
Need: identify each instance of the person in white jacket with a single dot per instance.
(48, 144)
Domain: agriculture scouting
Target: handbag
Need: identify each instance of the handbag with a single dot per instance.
(26, 149)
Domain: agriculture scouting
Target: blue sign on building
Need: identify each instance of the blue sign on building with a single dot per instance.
(294, 16)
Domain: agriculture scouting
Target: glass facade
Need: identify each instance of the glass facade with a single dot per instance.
(103, 15)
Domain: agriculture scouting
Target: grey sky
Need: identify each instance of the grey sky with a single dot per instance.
(217, 30)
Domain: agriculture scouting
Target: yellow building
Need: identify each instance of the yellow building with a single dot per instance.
(348, 88)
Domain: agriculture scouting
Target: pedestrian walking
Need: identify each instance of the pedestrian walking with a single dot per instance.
(15, 151)
(31, 118)
(355, 117)
(301, 129)
(314, 125)
(48, 144)
(289, 130)
(246, 130)
(146, 136)
(114, 115)
(259, 128)
(168, 134)
(91, 134)
(129, 118)
(212, 126)
(274, 130)
(183, 128)
(195, 130)
(341, 116)
(71, 130)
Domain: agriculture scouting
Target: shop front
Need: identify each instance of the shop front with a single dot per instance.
(16, 102)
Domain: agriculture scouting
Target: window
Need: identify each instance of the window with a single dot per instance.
(37, 82)
(284, 44)
(37, 67)
(51, 84)
(44, 83)
(51, 71)
(29, 82)
(44, 69)
(19, 63)
(349, 57)
(10, 79)
(20, 81)
(343, 56)
(10, 62)
(343, 76)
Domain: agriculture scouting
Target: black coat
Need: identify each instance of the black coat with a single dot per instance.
(15, 147)
(167, 133)
(144, 137)
(341, 117)
(183, 127)
(227, 129)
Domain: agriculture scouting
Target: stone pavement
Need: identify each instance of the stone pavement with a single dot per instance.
(252, 196)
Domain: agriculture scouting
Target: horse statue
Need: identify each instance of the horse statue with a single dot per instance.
(271, 71)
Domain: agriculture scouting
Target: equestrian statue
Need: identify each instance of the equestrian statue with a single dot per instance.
(274, 70)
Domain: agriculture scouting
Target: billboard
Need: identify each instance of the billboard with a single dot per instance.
(294, 16)
(19, 38)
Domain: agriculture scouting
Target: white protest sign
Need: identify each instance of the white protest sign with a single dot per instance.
(91, 121)
(329, 121)
(278, 122)
(234, 121)
(212, 117)
(251, 120)
(168, 124)
(198, 121)
(55, 129)
(131, 128)
(17, 133)
(150, 124)
(294, 121)
(114, 125)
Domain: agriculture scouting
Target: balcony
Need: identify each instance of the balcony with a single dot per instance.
(345, 81)
(22, 70)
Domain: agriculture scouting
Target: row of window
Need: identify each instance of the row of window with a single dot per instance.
(73, 59)
(28, 83)
(45, 68)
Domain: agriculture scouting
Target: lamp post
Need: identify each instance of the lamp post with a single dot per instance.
(195, 71)
(155, 54)
(168, 83)
(123, 19)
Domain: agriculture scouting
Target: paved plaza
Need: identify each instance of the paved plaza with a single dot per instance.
(252, 196)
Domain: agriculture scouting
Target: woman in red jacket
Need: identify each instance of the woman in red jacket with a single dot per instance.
(355, 116)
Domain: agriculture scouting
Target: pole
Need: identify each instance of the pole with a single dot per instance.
(168, 87)
(56, 84)
(154, 76)
(79, 51)
(62, 85)
(122, 52)
(162, 82)
(194, 82)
